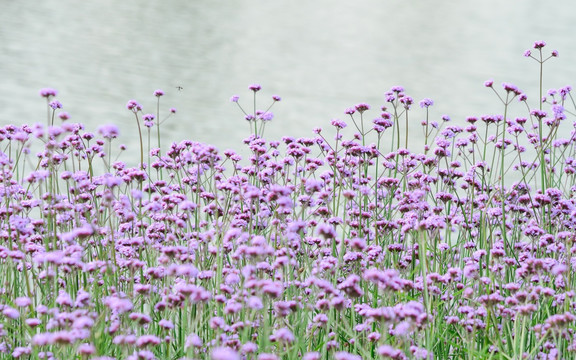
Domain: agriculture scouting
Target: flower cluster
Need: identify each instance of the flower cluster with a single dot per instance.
(351, 247)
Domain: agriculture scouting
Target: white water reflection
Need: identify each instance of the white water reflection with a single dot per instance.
(320, 56)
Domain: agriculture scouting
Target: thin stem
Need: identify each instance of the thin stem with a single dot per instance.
(141, 142)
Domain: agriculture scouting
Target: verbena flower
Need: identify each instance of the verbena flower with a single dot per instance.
(48, 92)
(224, 353)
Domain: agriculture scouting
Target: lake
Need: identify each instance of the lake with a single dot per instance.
(319, 56)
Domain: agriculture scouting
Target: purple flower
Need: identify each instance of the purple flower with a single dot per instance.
(158, 93)
(55, 104)
(19, 351)
(511, 88)
(249, 348)
(559, 269)
(406, 101)
(148, 120)
(224, 353)
(86, 349)
(22, 301)
(133, 105)
(255, 87)
(267, 116)
(388, 351)
(11, 313)
(255, 303)
(166, 324)
(276, 98)
(33, 322)
(108, 131)
(284, 335)
(42, 339)
(117, 304)
(350, 111)
(325, 230)
(343, 355)
(555, 53)
(527, 53)
(425, 103)
(362, 107)
(312, 356)
(273, 288)
(267, 356)
(539, 44)
(338, 123)
(351, 286)
(488, 83)
(146, 340)
(64, 116)
(47, 92)
(193, 340)
(234, 98)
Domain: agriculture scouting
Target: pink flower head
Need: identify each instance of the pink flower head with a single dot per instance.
(254, 302)
(276, 98)
(117, 304)
(425, 103)
(55, 104)
(86, 349)
(166, 324)
(249, 348)
(255, 87)
(133, 106)
(539, 44)
(19, 351)
(158, 93)
(234, 98)
(22, 301)
(343, 355)
(511, 88)
(33, 322)
(109, 131)
(148, 120)
(284, 335)
(488, 83)
(224, 353)
(555, 53)
(47, 92)
(146, 340)
(11, 313)
(312, 356)
(362, 107)
(193, 340)
(266, 116)
(338, 123)
(267, 356)
(406, 101)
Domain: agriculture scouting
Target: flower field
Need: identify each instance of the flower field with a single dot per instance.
(350, 244)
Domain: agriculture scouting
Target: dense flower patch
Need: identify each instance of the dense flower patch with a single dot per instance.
(345, 245)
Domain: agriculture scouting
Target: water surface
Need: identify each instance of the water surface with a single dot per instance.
(320, 56)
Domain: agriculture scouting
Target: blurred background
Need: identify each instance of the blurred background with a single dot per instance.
(320, 56)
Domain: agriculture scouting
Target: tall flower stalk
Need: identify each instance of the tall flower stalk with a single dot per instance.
(133, 106)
